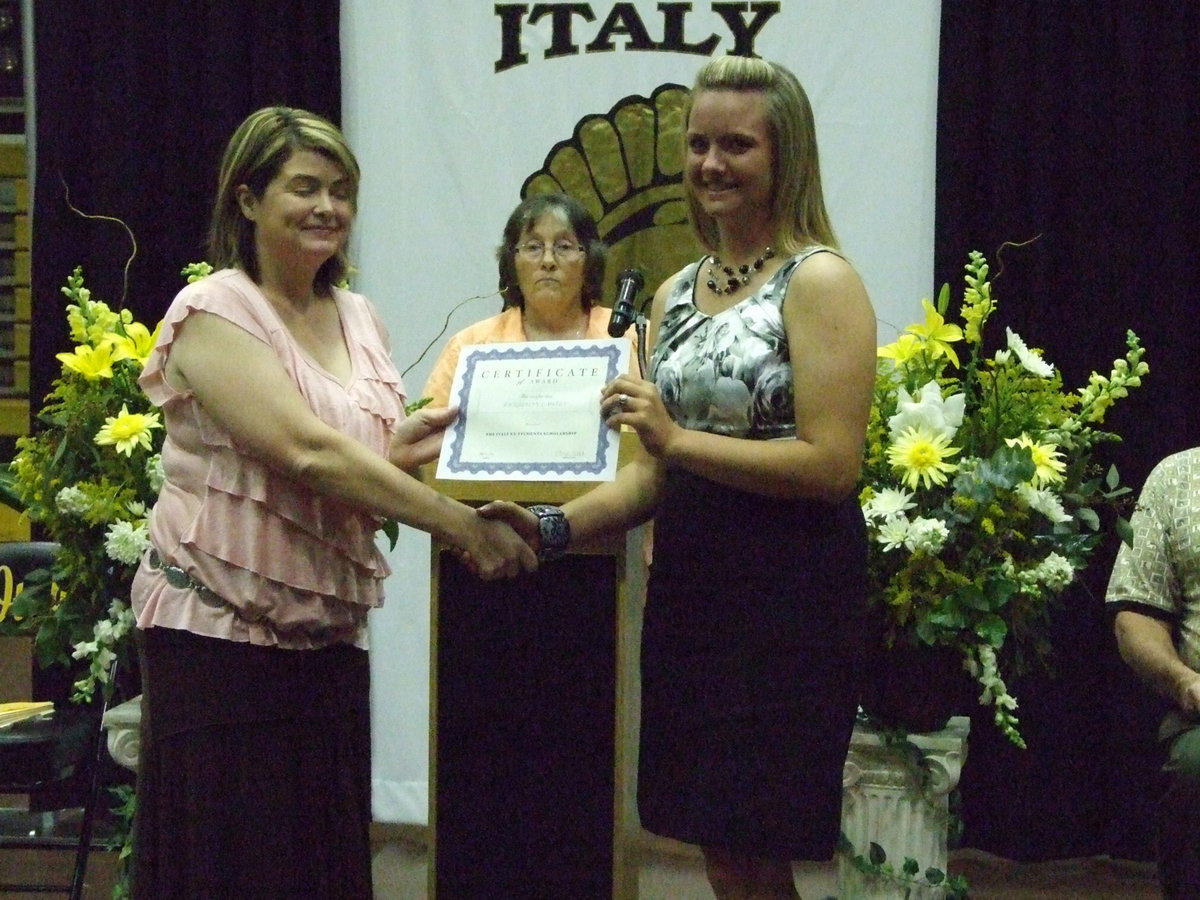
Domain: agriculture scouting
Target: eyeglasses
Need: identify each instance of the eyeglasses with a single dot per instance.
(563, 251)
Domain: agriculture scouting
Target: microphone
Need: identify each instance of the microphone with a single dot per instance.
(629, 285)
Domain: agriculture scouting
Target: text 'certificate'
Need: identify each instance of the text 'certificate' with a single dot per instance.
(531, 412)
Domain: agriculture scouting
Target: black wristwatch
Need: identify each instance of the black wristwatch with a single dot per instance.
(555, 531)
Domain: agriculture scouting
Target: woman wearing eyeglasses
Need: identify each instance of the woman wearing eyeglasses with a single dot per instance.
(551, 263)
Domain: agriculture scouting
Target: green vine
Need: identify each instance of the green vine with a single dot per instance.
(122, 839)
(874, 864)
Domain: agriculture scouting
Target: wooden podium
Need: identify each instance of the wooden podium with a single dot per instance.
(533, 716)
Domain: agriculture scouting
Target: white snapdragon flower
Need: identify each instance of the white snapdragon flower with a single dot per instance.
(1029, 360)
(72, 501)
(927, 535)
(126, 542)
(887, 503)
(928, 410)
(1043, 501)
(995, 693)
(154, 472)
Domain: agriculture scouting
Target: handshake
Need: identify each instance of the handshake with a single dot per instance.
(515, 538)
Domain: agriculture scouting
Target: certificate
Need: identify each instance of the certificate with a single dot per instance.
(531, 412)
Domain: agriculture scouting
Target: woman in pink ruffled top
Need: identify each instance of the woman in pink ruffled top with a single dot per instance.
(287, 445)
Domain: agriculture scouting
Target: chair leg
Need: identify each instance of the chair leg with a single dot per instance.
(93, 795)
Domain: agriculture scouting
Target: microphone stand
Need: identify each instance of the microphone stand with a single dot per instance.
(639, 328)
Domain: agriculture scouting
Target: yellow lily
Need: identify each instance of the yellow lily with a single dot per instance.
(90, 362)
(936, 334)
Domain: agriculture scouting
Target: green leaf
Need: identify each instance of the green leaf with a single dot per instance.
(876, 854)
(1088, 517)
(1112, 479)
(410, 408)
(391, 528)
(992, 629)
(943, 300)
(9, 494)
(934, 876)
(911, 867)
(1124, 530)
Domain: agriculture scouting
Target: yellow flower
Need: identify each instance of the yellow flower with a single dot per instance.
(904, 349)
(1046, 458)
(90, 362)
(974, 316)
(922, 456)
(136, 343)
(128, 430)
(10, 593)
(936, 334)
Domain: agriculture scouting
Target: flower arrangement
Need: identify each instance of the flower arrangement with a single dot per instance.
(980, 488)
(88, 474)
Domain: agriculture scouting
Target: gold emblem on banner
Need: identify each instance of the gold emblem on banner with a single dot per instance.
(626, 168)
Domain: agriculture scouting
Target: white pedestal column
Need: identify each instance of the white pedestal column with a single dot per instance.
(883, 803)
(123, 724)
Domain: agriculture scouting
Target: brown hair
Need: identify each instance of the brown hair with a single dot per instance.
(528, 211)
(260, 146)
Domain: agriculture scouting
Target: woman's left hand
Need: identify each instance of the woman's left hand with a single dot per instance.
(418, 438)
(637, 403)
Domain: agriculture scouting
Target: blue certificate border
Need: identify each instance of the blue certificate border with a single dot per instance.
(531, 351)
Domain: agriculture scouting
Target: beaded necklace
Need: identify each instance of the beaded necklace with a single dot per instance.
(734, 279)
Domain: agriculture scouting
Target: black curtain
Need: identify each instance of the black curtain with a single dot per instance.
(1074, 125)
(134, 104)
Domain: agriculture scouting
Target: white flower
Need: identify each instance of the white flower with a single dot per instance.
(888, 502)
(1043, 501)
(85, 649)
(103, 630)
(1030, 360)
(928, 410)
(71, 501)
(1055, 571)
(995, 691)
(154, 471)
(927, 535)
(102, 662)
(893, 532)
(126, 542)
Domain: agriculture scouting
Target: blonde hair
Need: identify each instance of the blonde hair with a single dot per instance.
(798, 205)
(260, 146)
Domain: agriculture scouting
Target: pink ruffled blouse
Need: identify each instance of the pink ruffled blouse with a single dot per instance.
(282, 565)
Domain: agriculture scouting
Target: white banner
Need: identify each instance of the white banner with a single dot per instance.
(453, 107)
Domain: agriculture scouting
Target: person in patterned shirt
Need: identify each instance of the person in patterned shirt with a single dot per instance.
(1154, 591)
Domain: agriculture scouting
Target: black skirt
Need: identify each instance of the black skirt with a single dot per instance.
(254, 773)
(752, 652)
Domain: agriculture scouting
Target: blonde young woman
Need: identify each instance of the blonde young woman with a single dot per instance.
(752, 424)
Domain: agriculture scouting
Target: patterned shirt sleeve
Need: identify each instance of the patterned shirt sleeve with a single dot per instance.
(1144, 573)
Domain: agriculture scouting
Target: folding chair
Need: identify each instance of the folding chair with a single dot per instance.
(50, 755)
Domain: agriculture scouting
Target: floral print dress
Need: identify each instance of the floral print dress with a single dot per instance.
(753, 630)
